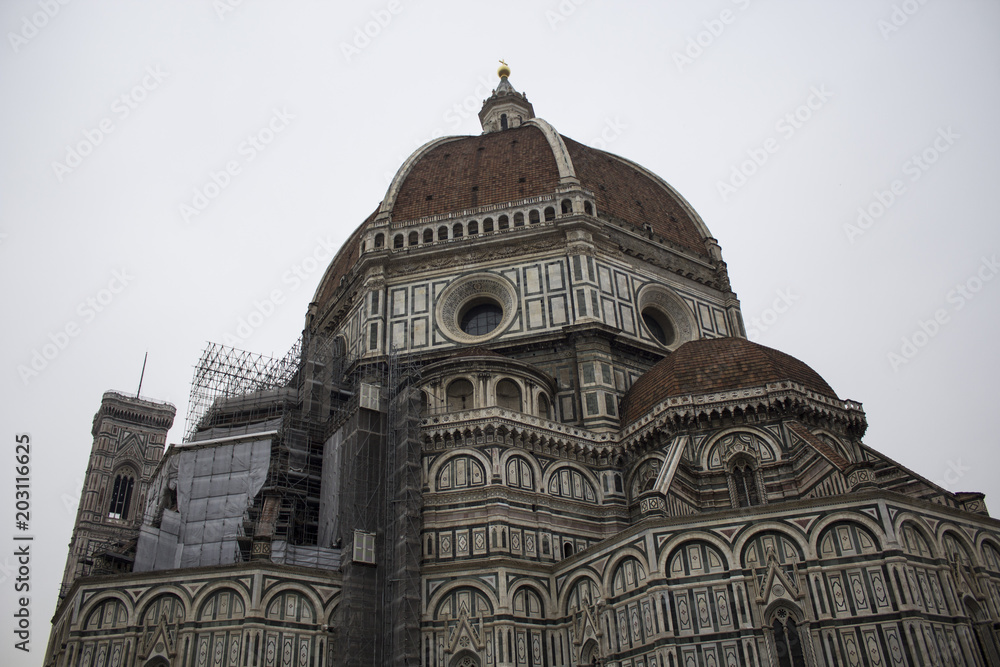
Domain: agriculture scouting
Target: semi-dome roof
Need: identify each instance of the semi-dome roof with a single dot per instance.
(716, 364)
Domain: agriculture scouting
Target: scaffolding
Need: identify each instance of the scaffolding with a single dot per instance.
(380, 491)
(227, 372)
(401, 592)
(305, 401)
(299, 395)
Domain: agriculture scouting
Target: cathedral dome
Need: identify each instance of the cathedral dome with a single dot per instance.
(459, 173)
(717, 364)
(519, 160)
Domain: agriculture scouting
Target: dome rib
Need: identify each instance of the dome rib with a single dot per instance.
(567, 174)
(470, 172)
(449, 175)
(389, 201)
(628, 193)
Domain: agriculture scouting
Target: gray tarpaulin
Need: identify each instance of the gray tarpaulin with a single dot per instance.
(215, 485)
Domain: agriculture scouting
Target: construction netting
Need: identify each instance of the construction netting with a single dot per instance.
(199, 504)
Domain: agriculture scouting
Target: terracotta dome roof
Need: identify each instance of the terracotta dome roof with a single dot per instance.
(453, 174)
(717, 364)
(625, 194)
(477, 171)
(497, 167)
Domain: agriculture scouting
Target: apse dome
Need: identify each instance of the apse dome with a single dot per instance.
(715, 365)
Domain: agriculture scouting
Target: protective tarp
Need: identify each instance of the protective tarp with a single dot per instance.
(329, 500)
(305, 556)
(215, 486)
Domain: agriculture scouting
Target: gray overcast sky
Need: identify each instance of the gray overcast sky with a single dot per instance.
(843, 153)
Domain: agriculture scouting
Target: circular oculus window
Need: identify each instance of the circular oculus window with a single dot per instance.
(476, 308)
(480, 317)
(665, 317)
(659, 325)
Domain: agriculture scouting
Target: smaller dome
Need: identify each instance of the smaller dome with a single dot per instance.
(716, 364)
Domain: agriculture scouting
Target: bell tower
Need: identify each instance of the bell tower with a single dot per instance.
(129, 437)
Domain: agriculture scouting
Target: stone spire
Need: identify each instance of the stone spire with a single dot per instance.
(506, 107)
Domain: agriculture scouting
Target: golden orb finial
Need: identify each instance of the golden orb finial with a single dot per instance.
(503, 71)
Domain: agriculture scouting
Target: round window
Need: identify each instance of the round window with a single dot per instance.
(480, 317)
(658, 325)
(476, 308)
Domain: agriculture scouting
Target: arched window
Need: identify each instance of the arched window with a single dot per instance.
(743, 482)
(428, 236)
(567, 549)
(460, 394)
(423, 402)
(508, 395)
(397, 241)
(165, 607)
(787, 645)
(519, 474)
(456, 231)
(291, 606)
(379, 240)
(223, 604)
(414, 238)
(567, 482)
(519, 219)
(442, 233)
(503, 222)
(628, 576)
(487, 225)
(550, 214)
(503, 121)
(527, 604)
(533, 216)
(982, 634)
(567, 206)
(121, 496)
(473, 228)
(588, 208)
(107, 615)
(543, 407)
(460, 472)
